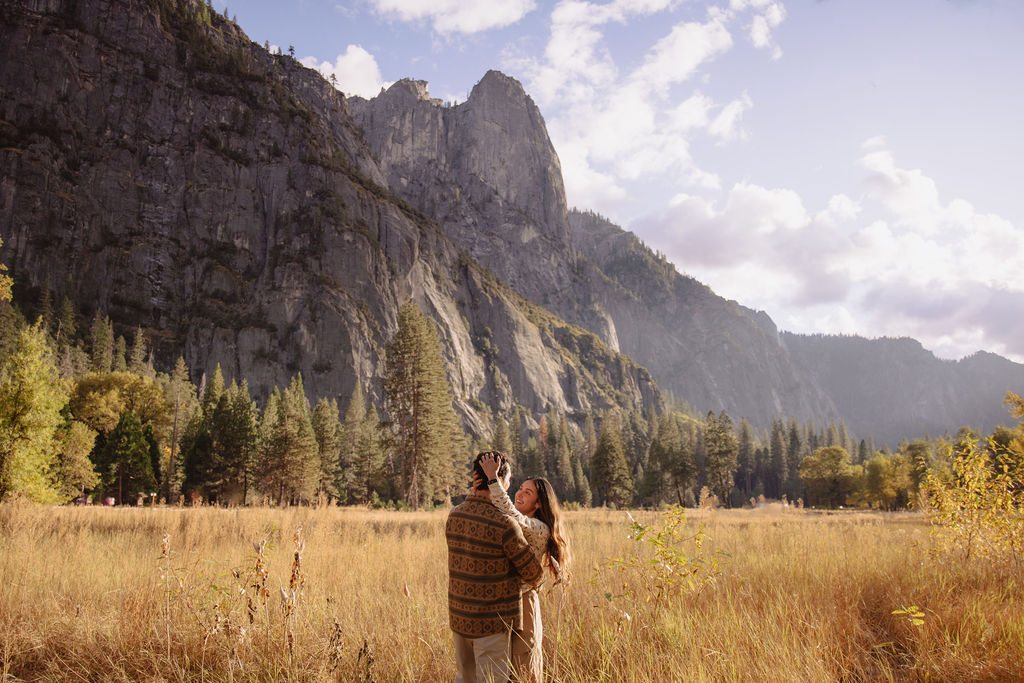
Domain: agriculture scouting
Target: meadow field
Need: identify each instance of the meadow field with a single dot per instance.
(101, 594)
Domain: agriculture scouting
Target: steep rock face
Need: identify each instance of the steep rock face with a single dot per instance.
(482, 168)
(160, 168)
(896, 389)
(485, 170)
(714, 353)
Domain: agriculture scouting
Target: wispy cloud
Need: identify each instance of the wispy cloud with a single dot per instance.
(457, 16)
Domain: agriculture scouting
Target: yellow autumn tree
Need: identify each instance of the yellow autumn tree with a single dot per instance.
(978, 510)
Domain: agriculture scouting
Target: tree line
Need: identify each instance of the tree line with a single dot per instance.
(87, 414)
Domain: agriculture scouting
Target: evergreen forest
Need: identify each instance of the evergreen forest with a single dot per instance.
(85, 415)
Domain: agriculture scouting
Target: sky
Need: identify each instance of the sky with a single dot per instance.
(847, 166)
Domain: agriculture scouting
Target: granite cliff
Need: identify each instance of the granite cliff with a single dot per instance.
(159, 167)
(487, 172)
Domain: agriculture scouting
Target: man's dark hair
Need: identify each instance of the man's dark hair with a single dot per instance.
(503, 468)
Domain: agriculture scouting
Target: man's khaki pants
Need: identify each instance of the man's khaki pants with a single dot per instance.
(482, 660)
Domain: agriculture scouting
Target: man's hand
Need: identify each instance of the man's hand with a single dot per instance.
(490, 464)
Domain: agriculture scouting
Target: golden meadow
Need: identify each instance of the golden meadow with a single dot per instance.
(174, 594)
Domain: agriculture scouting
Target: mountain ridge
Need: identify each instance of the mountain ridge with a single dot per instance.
(160, 167)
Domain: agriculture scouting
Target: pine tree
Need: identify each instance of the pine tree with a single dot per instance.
(745, 460)
(555, 424)
(211, 390)
(655, 484)
(564, 481)
(196, 456)
(232, 428)
(425, 433)
(32, 396)
(350, 483)
(844, 437)
(582, 494)
(671, 468)
(124, 464)
(796, 451)
(832, 438)
(120, 364)
(268, 476)
(589, 439)
(762, 458)
(66, 328)
(863, 455)
(327, 428)
(180, 394)
(214, 468)
(296, 443)
(102, 339)
(46, 308)
(539, 463)
(287, 468)
(502, 441)
(137, 362)
(778, 467)
(720, 443)
(635, 440)
(516, 450)
(611, 480)
(372, 468)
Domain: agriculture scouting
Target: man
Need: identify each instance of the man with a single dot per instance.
(487, 555)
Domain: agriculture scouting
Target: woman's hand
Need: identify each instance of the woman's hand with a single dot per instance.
(490, 464)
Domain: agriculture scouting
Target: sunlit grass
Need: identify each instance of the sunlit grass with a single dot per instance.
(801, 596)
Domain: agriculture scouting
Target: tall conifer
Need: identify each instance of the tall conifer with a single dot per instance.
(327, 428)
(611, 481)
(425, 434)
(721, 449)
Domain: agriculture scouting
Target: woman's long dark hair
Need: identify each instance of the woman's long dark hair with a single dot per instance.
(550, 512)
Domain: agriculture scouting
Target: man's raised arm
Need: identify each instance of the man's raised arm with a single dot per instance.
(522, 558)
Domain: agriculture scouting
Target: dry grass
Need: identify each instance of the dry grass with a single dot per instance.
(86, 595)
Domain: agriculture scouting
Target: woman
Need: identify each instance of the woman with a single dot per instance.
(537, 511)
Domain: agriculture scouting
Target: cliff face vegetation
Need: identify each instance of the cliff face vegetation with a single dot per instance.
(158, 167)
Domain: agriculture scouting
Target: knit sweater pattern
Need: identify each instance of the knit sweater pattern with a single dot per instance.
(488, 557)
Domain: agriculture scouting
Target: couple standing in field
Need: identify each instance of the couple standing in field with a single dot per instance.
(496, 554)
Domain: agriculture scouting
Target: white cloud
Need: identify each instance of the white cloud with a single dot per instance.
(457, 16)
(676, 57)
(585, 187)
(839, 209)
(909, 194)
(899, 262)
(727, 125)
(635, 125)
(355, 70)
(762, 25)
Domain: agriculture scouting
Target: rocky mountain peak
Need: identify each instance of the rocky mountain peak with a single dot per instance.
(509, 147)
(407, 92)
(485, 170)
